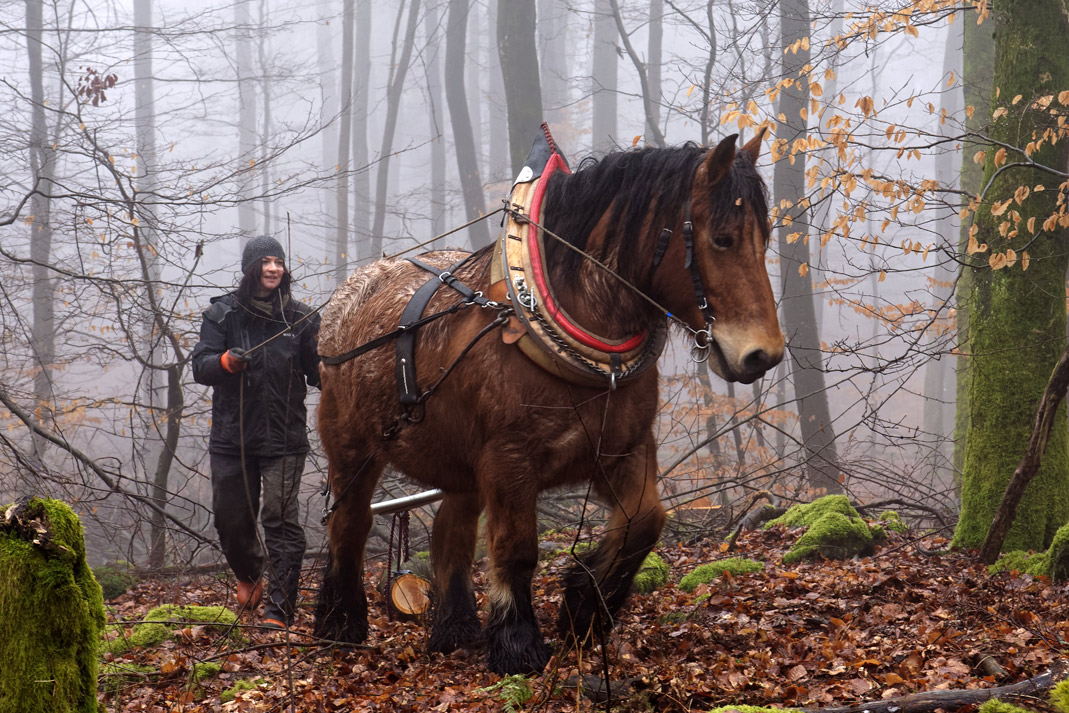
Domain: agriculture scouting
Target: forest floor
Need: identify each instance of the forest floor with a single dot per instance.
(814, 635)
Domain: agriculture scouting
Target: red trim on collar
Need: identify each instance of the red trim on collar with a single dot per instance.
(556, 163)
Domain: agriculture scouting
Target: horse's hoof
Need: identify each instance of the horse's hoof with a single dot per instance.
(507, 660)
(448, 636)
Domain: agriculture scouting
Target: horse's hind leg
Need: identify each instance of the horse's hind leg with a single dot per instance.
(456, 623)
(341, 611)
(515, 642)
(597, 586)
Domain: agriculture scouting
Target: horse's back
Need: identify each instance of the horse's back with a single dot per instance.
(370, 302)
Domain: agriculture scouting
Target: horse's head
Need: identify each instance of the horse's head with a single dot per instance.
(729, 213)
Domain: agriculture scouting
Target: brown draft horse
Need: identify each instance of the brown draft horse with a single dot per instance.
(500, 429)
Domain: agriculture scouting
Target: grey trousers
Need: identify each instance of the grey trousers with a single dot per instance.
(236, 497)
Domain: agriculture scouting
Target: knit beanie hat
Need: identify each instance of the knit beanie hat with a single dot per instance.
(260, 247)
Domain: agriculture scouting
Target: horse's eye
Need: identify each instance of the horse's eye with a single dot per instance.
(724, 241)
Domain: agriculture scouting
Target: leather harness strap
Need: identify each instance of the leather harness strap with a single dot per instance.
(412, 315)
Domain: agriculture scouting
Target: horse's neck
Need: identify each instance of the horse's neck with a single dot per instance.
(603, 301)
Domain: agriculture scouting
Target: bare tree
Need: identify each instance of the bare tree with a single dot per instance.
(516, 33)
(463, 137)
(799, 314)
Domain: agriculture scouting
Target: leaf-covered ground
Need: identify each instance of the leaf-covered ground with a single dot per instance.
(816, 635)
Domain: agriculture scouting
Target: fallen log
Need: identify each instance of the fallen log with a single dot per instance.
(927, 701)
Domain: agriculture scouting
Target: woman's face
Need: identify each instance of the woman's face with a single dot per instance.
(271, 270)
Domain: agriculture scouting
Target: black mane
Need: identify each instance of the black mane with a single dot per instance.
(631, 183)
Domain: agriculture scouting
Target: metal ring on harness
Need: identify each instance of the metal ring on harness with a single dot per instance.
(703, 342)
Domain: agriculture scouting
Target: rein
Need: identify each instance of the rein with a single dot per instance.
(702, 337)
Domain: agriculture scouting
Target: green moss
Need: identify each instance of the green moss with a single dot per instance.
(204, 670)
(161, 623)
(996, 706)
(53, 615)
(1059, 555)
(652, 575)
(892, 521)
(673, 617)
(703, 574)
(1036, 564)
(239, 686)
(1017, 317)
(1059, 696)
(834, 536)
(115, 578)
(114, 677)
(806, 514)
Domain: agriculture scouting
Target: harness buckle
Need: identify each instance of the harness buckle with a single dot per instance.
(443, 275)
(524, 296)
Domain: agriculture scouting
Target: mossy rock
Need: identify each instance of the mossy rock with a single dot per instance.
(1036, 564)
(652, 575)
(52, 609)
(244, 684)
(807, 514)
(115, 578)
(703, 574)
(892, 521)
(834, 536)
(162, 622)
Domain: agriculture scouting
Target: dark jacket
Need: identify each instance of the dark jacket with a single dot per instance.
(271, 389)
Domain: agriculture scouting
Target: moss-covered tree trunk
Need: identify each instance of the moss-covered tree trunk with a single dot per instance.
(51, 610)
(978, 59)
(1017, 316)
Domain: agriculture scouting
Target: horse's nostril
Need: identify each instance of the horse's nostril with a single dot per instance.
(758, 361)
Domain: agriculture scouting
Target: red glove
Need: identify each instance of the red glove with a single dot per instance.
(234, 360)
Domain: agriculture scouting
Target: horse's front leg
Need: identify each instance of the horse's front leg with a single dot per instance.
(341, 610)
(456, 622)
(597, 585)
(515, 642)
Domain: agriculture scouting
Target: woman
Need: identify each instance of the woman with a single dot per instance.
(257, 350)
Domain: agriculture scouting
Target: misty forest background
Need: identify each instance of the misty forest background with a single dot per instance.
(142, 142)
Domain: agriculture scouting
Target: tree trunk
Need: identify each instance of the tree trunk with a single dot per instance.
(978, 60)
(463, 138)
(1017, 318)
(156, 449)
(246, 119)
(938, 394)
(654, 137)
(799, 314)
(653, 68)
(341, 195)
(516, 34)
(265, 124)
(1053, 396)
(394, 90)
(435, 116)
(499, 163)
(603, 134)
(329, 112)
(365, 244)
(553, 59)
(42, 167)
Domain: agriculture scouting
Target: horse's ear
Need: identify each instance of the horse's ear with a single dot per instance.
(719, 160)
(752, 148)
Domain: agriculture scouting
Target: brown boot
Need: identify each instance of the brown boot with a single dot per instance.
(249, 593)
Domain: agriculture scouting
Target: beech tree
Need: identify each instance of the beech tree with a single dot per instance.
(1017, 264)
